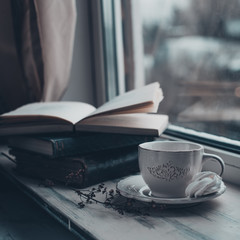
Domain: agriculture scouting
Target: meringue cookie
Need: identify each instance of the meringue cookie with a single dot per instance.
(203, 183)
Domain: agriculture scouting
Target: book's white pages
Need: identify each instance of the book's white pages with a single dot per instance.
(69, 111)
(143, 99)
(117, 115)
(135, 123)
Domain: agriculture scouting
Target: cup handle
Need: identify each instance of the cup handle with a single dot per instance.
(207, 156)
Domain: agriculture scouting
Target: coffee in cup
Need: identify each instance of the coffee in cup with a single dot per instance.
(167, 167)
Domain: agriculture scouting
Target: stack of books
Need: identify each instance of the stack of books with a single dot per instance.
(75, 143)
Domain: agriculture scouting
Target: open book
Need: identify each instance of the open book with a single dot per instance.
(127, 113)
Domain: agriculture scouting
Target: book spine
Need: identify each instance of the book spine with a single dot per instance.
(80, 172)
(83, 145)
(58, 148)
(113, 165)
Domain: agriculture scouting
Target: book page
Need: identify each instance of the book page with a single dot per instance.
(67, 111)
(144, 99)
(135, 123)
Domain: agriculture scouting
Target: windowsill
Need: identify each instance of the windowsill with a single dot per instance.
(215, 219)
(231, 158)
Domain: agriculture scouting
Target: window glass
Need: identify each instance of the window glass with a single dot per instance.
(192, 48)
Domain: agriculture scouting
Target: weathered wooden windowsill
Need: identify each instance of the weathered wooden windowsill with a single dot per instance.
(216, 219)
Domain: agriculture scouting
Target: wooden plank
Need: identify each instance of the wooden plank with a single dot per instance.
(216, 219)
(22, 219)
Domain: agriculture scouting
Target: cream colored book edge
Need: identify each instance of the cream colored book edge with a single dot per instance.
(46, 117)
(135, 123)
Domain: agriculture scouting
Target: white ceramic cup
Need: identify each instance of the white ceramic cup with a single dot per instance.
(167, 167)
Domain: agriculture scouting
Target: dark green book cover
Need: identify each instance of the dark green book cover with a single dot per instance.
(79, 171)
(58, 146)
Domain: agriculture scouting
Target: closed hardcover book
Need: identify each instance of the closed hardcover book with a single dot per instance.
(81, 171)
(59, 146)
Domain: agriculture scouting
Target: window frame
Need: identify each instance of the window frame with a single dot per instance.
(107, 54)
(228, 149)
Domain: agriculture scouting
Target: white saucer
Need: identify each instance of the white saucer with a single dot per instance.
(134, 187)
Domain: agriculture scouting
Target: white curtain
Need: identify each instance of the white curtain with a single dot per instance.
(36, 48)
(56, 20)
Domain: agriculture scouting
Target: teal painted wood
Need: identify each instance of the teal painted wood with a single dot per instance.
(218, 219)
(22, 219)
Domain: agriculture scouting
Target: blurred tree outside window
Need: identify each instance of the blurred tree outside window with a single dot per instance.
(192, 48)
